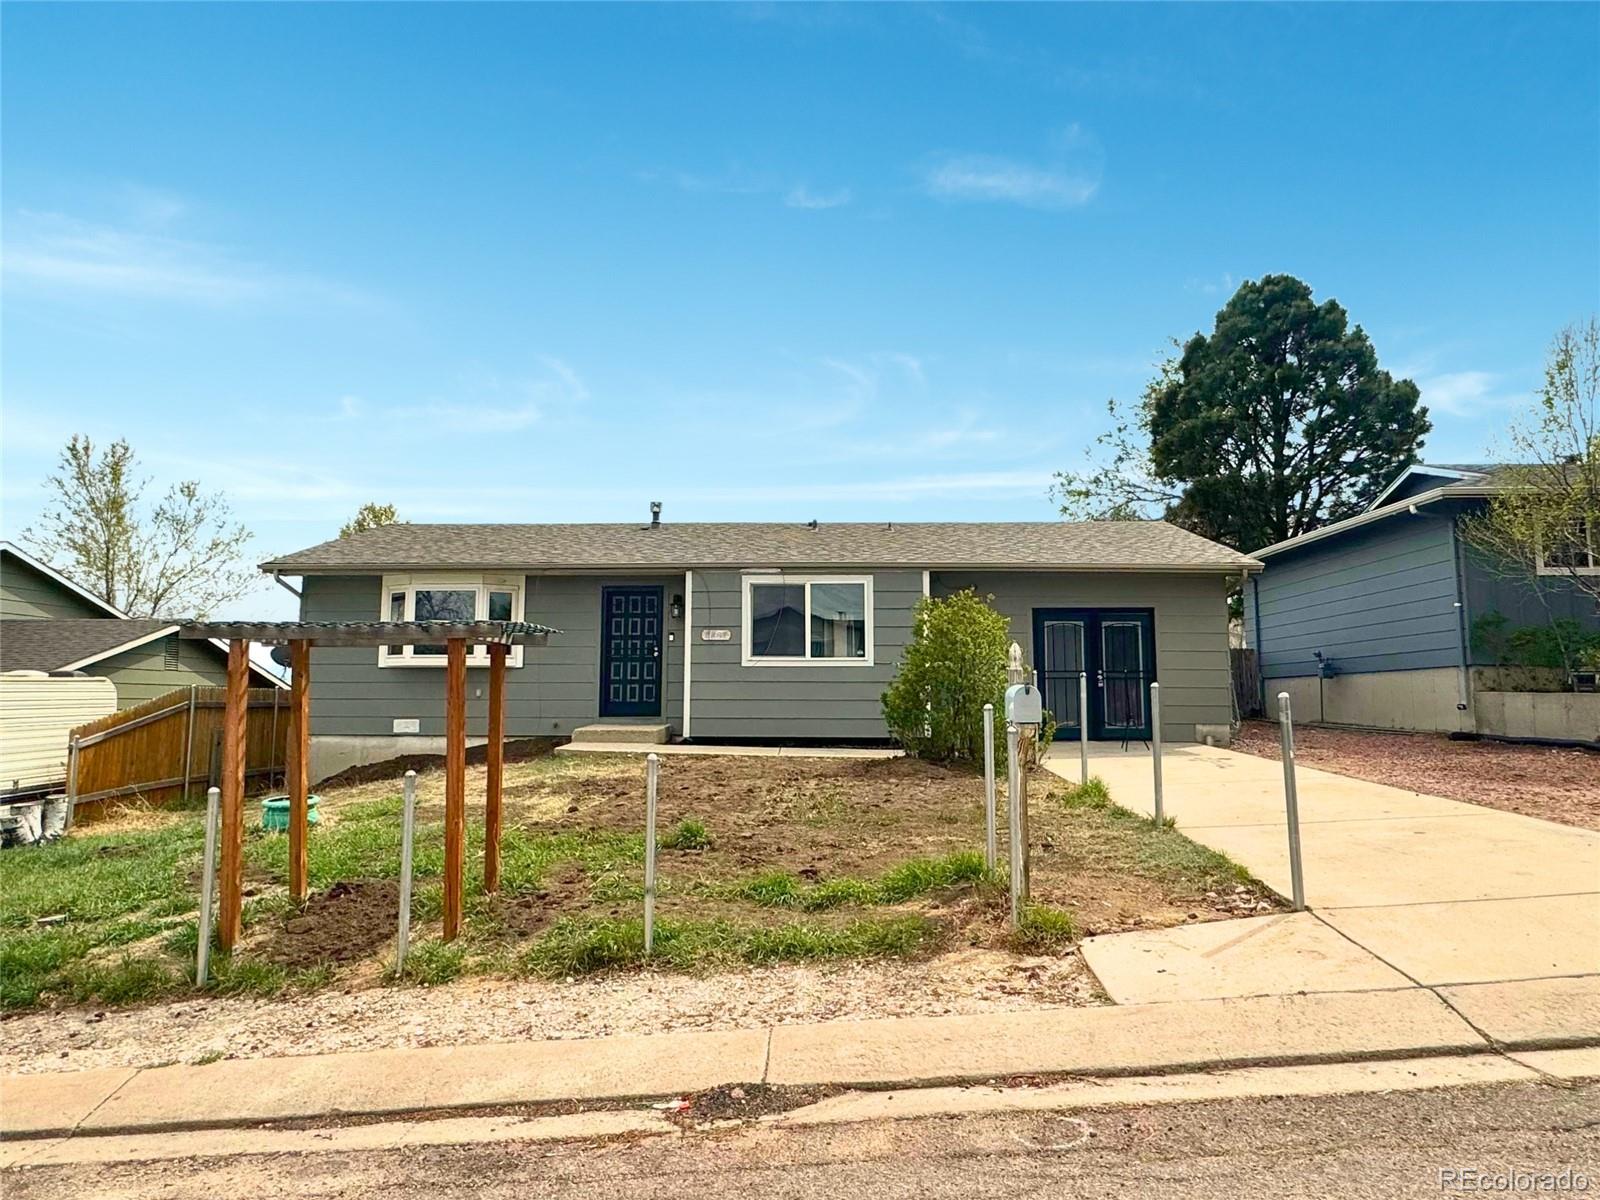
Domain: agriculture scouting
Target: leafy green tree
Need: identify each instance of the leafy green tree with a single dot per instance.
(1542, 525)
(181, 556)
(370, 516)
(954, 665)
(1277, 422)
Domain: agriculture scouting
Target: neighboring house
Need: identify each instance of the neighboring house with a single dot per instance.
(48, 623)
(1370, 621)
(718, 632)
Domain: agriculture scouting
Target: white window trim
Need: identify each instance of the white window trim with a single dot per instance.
(1593, 568)
(751, 579)
(477, 654)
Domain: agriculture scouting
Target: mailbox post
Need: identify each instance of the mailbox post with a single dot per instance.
(1024, 706)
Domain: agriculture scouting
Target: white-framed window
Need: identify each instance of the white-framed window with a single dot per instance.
(1577, 552)
(449, 598)
(807, 620)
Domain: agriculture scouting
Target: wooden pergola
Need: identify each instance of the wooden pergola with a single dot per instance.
(300, 636)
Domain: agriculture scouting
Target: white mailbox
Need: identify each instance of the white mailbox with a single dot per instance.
(1024, 705)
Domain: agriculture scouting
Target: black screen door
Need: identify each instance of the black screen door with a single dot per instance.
(1115, 649)
(630, 652)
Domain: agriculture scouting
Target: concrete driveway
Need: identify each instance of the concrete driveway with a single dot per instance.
(1441, 891)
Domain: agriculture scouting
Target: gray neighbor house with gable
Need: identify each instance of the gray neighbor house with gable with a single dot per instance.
(750, 631)
(1378, 620)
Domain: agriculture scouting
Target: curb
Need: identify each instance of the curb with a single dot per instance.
(1307, 1029)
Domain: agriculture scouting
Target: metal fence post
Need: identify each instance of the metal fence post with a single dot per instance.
(1083, 726)
(188, 744)
(1155, 747)
(652, 771)
(408, 821)
(1014, 816)
(991, 850)
(73, 751)
(1291, 799)
(208, 882)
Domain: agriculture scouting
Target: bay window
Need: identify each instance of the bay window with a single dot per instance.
(807, 620)
(449, 598)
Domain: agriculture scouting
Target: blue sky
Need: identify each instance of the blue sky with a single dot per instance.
(510, 263)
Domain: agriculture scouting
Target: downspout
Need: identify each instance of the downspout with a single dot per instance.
(688, 653)
(1464, 668)
(288, 587)
(1261, 641)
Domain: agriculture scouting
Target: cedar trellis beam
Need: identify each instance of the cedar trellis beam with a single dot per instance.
(299, 636)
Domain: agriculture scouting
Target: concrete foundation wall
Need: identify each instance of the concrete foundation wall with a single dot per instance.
(1561, 716)
(1413, 700)
(332, 753)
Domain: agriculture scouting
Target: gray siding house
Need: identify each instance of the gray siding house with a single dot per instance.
(1369, 621)
(720, 632)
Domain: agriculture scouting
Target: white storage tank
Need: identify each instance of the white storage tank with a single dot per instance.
(37, 713)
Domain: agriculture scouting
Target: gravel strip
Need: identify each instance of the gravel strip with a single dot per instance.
(504, 1010)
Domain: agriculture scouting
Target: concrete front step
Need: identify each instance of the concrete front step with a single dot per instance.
(653, 735)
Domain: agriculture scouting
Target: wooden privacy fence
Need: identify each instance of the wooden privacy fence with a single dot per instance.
(1246, 670)
(166, 749)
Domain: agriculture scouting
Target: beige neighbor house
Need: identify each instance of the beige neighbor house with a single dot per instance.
(722, 632)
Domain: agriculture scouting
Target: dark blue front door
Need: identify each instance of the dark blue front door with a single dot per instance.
(1116, 649)
(630, 652)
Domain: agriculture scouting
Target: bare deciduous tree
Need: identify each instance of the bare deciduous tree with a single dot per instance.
(181, 556)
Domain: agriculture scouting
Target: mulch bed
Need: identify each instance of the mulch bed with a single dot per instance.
(1554, 783)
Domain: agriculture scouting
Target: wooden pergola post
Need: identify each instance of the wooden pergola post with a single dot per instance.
(234, 717)
(455, 783)
(496, 766)
(299, 766)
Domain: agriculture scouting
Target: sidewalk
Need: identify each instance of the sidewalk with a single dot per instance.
(913, 1052)
(1435, 891)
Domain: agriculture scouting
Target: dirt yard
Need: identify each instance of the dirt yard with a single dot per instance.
(1554, 783)
(789, 890)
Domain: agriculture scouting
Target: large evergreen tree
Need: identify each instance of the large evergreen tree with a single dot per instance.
(1278, 421)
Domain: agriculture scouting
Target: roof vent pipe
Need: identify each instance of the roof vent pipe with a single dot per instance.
(655, 514)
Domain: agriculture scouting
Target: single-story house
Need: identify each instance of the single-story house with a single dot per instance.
(1371, 621)
(729, 631)
(49, 623)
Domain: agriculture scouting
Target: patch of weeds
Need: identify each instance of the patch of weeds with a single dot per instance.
(182, 941)
(430, 963)
(918, 876)
(1093, 794)
(265, 908)
(231, 976)
(689, 834)
(311, 979)
(617, 888)
(427, 903)
(209, 1057)
(578, 946)
(1043, 930)
(29, 963)
(128, 980)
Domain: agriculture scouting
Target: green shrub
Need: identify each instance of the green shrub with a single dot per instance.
(953, 666)
(688, 834)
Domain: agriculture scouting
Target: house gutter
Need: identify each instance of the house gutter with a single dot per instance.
(288, 587)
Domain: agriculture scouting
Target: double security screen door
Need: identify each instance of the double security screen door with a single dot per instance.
(630, 652)
(1116, 647)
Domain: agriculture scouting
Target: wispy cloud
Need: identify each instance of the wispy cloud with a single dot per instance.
(1068, 177)
(1464, 393)
(741, 181)
(492, 402)
(801, 196)
(66, 255)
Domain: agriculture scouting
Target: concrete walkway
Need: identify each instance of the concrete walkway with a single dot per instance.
(1113, 1041)
(1434, 891)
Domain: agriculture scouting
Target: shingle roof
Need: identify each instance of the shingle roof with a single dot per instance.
(1089, 545)
(50, 645)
